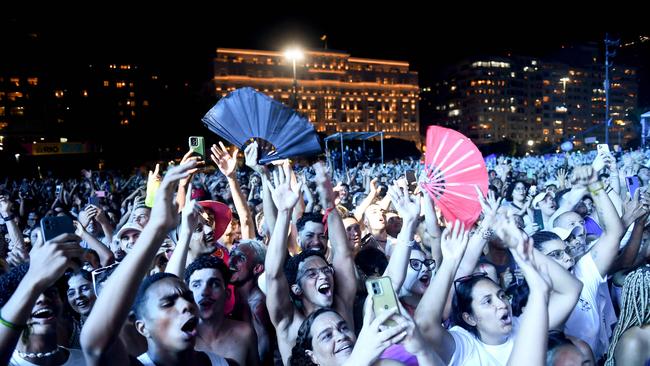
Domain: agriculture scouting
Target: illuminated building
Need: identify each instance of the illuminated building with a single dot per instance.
(336, 92)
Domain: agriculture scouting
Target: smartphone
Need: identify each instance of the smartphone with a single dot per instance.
(197, 145)
(539, 220)
(632, 184)
(58, 189)
(100, 194)
(383, 297)
(93, 200)
(53, 226)
(604, 148)
(411, 179)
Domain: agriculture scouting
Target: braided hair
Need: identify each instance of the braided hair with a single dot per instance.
(635, 307)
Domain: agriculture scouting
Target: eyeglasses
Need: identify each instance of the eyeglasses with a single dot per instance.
(465, 279)
(557, 254)
(312, 273)
(416, 264)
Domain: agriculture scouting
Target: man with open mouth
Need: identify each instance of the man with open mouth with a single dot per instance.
(163, 306)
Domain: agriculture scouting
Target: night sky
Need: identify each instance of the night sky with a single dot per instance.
(182, 40)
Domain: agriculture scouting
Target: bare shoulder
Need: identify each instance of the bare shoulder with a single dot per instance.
(633, 346)
(243, 329)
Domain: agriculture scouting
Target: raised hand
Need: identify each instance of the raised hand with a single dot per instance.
(635, 207)
(506, 229)
(5, 206)
(251, 154)
(374, 337)
(164, 210)
(584, 175)
(454, 242)
(408, 207)
(324, 186)
(48, 261)
(284, 195)
(191, 211)
(490, 205)
(226, 162)
(536, 274)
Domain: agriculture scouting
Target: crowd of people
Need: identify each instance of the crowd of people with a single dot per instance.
(219, 260)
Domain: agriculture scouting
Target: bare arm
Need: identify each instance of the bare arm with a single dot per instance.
(359, 210)
(606, 249)
(99, 336)
(428, 315)
(270, 212)
(227, 164)
(106, 257)
(189, 219)
(342, 253)
(48, 261)
(408, 208)
(531, 341)
(278, 300)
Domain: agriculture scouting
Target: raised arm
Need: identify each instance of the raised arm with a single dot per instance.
(428, 315)
(477, 242)
(359, 210)
(227, 164)
(342, 253)
(432, 228)
(47, 262)
(189, 219)
(99, 336)
(106, 257)
(531, 341)
(605, 250)
(12, 226)
(566, 288)
(408, 207)
(278, 300)
(269, 209)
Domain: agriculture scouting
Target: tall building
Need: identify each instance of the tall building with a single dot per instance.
(336, 92)
(533, 102)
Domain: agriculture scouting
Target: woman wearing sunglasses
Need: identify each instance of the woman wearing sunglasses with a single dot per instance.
(485, 332)
(418, 276)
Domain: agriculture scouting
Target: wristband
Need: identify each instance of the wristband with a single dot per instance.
(11, 325)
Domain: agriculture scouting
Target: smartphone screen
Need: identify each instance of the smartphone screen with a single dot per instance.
(632, 184)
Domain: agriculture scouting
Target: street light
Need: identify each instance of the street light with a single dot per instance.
(294, 54)
(564, 80)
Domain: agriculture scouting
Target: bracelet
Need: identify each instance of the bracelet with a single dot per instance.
(11, 325)
(600, 188)
(8, 218)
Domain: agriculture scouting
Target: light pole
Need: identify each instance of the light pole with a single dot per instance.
(564, 80)
(294, 54)
(608, 64)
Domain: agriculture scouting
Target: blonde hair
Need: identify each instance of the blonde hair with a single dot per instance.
(635, 307)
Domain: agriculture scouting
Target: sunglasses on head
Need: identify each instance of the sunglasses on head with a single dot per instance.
(465, 279)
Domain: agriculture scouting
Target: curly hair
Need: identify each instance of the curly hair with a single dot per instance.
(299, 355)
(208, 261)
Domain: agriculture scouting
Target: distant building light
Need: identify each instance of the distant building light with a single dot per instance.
(64, 139)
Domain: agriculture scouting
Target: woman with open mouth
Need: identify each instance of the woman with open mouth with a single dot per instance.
(81, 297)
(324, 338)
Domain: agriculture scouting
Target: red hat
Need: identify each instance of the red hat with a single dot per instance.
(222, 216)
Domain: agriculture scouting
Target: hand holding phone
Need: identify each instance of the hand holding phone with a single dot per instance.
(197, 145)
(53, 226)
(633, 184)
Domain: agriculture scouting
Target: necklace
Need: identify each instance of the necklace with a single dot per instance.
(39, 354)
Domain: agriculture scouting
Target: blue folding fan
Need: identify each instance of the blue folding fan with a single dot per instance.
(246, 115)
